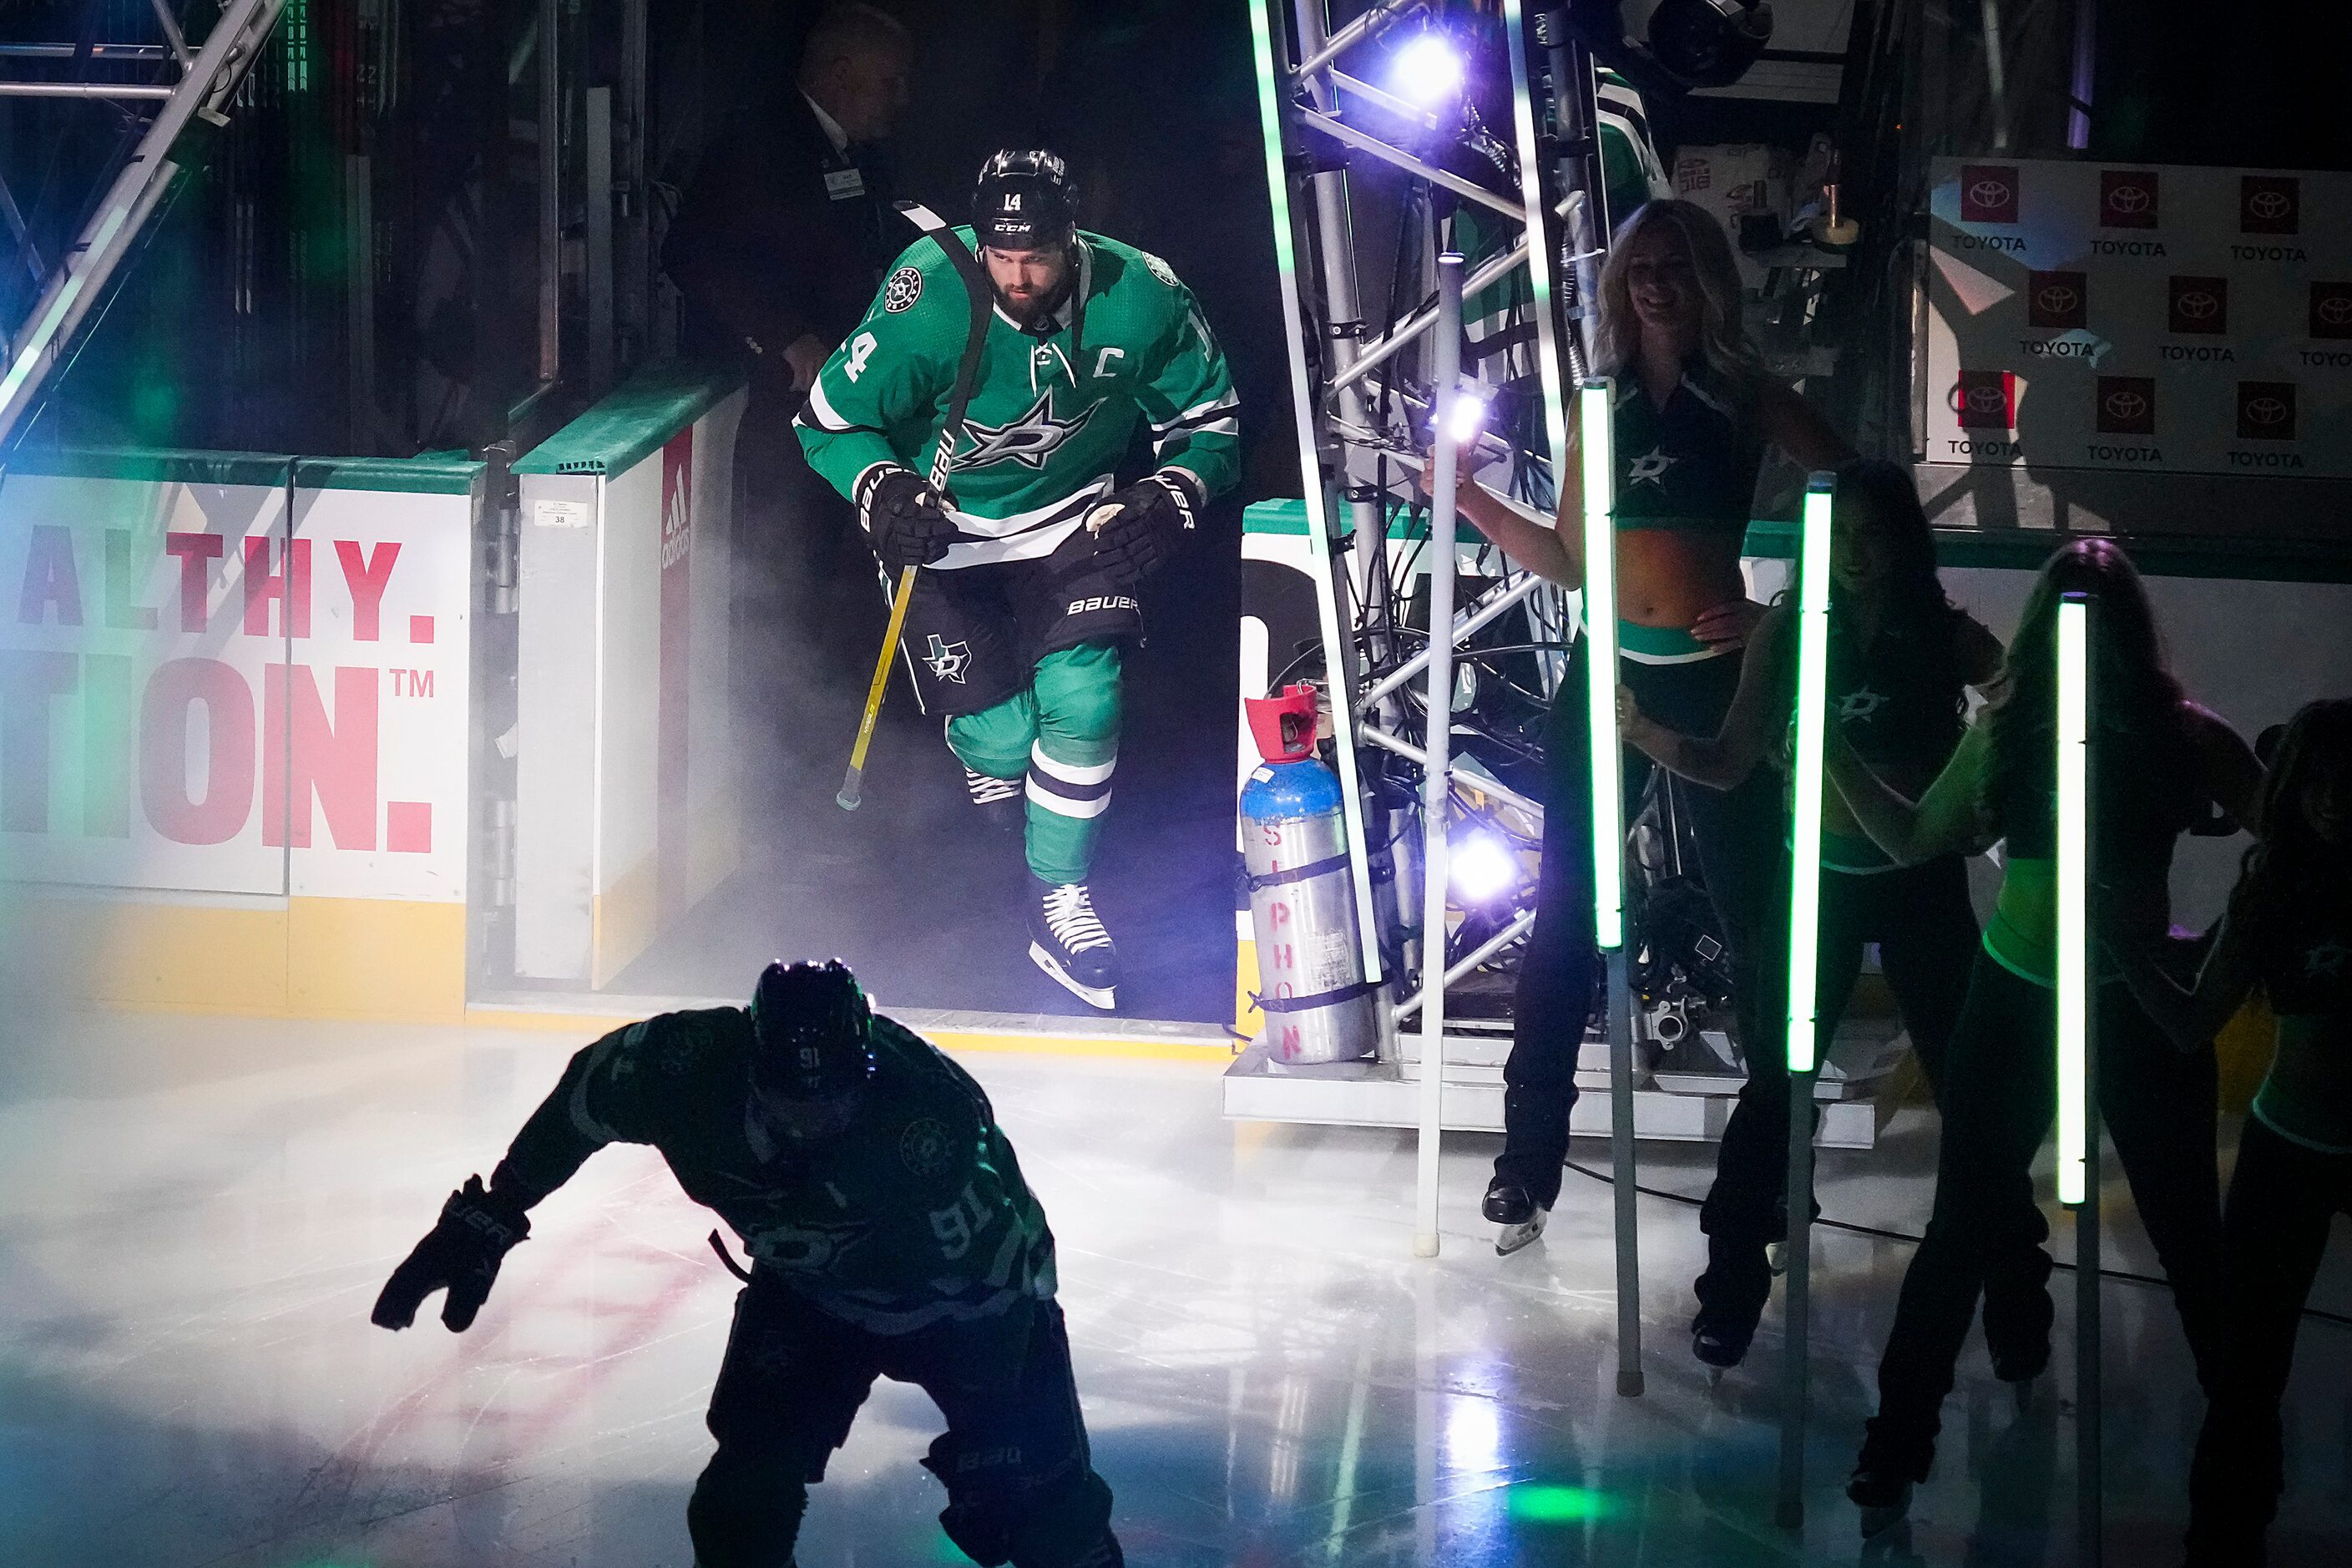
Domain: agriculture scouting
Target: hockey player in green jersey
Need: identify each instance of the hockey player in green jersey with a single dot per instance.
(1030, 560)
(890, 1232)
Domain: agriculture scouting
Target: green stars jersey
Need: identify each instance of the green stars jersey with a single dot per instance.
(915, 1215)
(1052, 411)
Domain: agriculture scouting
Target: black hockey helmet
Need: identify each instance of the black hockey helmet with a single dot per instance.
(1709, 43)
(813, 1046)
(1025, 201)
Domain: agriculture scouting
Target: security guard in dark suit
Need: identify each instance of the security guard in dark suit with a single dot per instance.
(778, 248)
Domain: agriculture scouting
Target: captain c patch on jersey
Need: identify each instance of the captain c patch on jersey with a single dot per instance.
(1029, 440)
(905, 287)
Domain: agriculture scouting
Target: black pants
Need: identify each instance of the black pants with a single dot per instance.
(1737, 833)
(2283, 1198)
(1021, 1487)
(1926, 930)
(1999, 1094)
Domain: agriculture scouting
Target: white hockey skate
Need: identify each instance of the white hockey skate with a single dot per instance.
(1511, 1238)
(1068, 942)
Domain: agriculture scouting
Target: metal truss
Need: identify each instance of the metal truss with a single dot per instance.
(1364, 390)
(202, 82)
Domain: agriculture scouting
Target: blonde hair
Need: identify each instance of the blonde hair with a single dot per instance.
(1722, 338)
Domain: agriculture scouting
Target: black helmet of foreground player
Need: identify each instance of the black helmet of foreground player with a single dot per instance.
(889, 1232)
(814, 1032)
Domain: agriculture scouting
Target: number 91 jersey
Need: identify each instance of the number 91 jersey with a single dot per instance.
(915, 1213)
(1053, 409)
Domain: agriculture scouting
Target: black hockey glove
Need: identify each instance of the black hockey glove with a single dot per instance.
(903, 520)
(462, 1253)
(1136, 529)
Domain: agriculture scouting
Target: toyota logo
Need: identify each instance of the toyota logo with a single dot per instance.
(2336, 310)
(2266, 411)
(2197, 304)
(1990, 192)
(2057, 300)
(2269, 203)
(1986, 400)
(2126, 404)
(2128, 198)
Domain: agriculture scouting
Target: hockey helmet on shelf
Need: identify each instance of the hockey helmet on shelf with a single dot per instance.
(813, 1047)
(1025, 201)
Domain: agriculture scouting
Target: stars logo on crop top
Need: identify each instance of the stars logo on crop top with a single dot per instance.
(1650, 469)
(1859, 705)
(2326, 961)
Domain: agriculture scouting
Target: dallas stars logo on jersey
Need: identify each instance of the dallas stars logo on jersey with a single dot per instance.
(1030, 441)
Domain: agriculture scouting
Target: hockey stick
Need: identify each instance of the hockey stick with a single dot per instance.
(982, 296)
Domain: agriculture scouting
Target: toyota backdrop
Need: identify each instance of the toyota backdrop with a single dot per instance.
(2189, 320)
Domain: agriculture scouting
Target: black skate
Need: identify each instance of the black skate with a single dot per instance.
(1069, 943)
(1521, 1217)
(1883, 1497)
(998, 800)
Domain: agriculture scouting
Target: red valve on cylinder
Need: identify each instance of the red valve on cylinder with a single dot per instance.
(1282, 726)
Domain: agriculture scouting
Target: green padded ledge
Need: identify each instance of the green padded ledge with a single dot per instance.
(1287, 514)
(632, 422)
(429, 473)
(153, 465)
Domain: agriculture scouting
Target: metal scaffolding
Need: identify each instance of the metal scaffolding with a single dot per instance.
(195, 102)
(1374, 402)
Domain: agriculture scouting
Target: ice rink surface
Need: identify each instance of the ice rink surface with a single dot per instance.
(195, 1216)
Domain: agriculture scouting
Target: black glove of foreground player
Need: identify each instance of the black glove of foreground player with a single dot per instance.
(1139, 537)
(903, 519)
(462, 1253)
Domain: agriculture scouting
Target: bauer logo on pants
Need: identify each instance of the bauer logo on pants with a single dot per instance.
(1102, 602)
(2265, 411)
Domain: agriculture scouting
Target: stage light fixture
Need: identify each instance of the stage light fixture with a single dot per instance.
(1469, 418)
(1481, 867)
(1428, 71)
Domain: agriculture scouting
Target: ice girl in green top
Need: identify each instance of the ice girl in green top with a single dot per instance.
(1901, 659)
(2160, 762)
(2288, 930)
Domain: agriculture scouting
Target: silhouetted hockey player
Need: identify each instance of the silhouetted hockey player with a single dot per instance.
(890, 1234)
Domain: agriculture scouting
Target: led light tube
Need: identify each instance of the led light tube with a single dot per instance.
(1805, 829)
(2074, 680)
(1597, 400)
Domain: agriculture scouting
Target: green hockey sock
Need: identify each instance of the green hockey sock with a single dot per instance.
(996, 740)
(1075, 696)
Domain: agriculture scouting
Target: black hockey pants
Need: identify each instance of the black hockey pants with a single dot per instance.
(2283, 1198)
(1737, 833)
(1926, 930)
(1021, 1487)
(1998, 1096)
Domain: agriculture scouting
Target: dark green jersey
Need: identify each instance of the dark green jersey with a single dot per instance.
(1052, 411)
(916, 1214)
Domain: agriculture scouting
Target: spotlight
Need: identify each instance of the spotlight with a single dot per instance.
(1428, 71)
(1469, 418)
(1481, 867)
